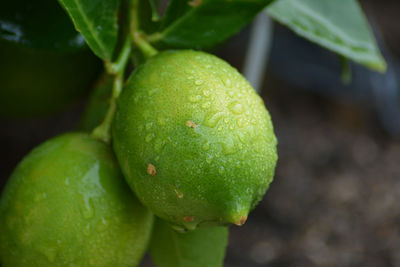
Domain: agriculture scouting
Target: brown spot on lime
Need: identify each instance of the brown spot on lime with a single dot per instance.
(188, 218)
(195, 3)
(191, 124)
(151, 169)
(241, 221)
(179, 194)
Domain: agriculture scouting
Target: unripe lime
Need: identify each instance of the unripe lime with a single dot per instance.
(66, 204)
(194, 140)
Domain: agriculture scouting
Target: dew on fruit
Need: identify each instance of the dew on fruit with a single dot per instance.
(87, 209)
(49, 252)
(191, 124)
(39, 197)
(179, 229)
(209, 160)
(151, 169)
(159, 144)
(66, 181)
(90, 188)
(179, 194)
(221, 169)
(228, 146)
(194, 98)
(86, 230)
(206, 93)
(161, 120)
(213, 119)
(248, 191)
(206, 105)
(206, 146)
(148, 125)
(102, 225)
(198, 82)
(149, 137)
(236, 108)
(227, 82)
(152, 91)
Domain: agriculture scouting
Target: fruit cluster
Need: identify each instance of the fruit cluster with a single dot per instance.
(194, 143)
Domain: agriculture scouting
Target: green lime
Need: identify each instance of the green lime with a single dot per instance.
(194, 140)
(66, 204)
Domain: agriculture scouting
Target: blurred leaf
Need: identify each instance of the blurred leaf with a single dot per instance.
(30, 24)
(175, 9)
(346, 71)
(148, 17)
(154, 9)
(338, 25)
(205, 23)
(198, 248)
(97, 21)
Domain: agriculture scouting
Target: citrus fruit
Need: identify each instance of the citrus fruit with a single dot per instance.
(194, 140)
(66, 204)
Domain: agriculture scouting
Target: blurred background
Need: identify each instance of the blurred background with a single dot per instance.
(336, 194)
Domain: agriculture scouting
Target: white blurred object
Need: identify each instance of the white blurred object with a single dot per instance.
(258, 50)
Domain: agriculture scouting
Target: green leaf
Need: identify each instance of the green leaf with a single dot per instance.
(175, 10)
(338, 25)
(148, 17)
(30, 24)
(199, 248)
(97, 21)
(154, 8)
(205, 23)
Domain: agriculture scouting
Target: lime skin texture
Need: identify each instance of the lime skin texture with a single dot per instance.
(194, 140)
(66, 204)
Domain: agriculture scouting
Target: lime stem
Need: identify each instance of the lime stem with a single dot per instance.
(154, 37)
(137, 35)
(119, 65)
(117, 69)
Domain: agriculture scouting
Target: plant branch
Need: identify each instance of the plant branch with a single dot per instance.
(136, 34)
(117, 69)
